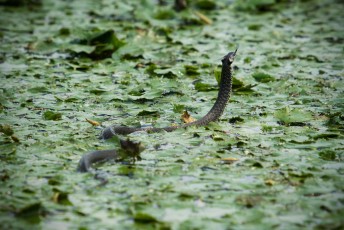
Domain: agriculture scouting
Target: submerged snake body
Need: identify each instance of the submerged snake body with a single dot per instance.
(215, 112)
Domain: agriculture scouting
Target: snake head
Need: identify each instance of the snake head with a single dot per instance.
(229, 58)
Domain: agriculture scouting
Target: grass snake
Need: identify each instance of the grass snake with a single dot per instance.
(215, 112)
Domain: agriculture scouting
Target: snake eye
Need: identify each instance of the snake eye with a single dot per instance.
(229, 57)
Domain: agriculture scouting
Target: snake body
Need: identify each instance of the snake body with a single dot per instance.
(215, 112)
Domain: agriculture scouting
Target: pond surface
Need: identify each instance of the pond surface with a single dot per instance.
(273, 160)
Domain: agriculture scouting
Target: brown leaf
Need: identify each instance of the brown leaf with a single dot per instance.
(94, 123)
(15, 138)
(186, 117)
(248, 200)
(229, 160)
(270, 182)
(204, 18)
(31, 46)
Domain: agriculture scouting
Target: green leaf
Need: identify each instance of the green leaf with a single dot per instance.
(254, 27)
(289, 116)
(130, 51)
(168, 72)
(205, 4)
(108, 37)
(64, 31)
(254, 5)
(101, 44)
(236, 83)
(203, 87)
(217, 73)
(6, 129)
(98, 91)
(39, 89)
(191, 70)
(78, 48)
(178, 108)
(263, 77)
(164, 14)
(235, 120)
(50, 115)
(31, 212)
(326, 136)
(328, 155)
(181, 181)
(144, 217)
(148, 113)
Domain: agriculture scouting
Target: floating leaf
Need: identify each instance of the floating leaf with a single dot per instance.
(6, 129)
(229, 160)
(263, 77)
(234, 120)
(130, 149)
(336, 120)
(191, 70)
(101, 45)
(64, 31)
(148, 113)
(204, 87)
(177, 108)
(237, 84)
(248, 201)
(98, 91)
(187, 118)
(168, 72)
(79, 48)
(39, 89)
(254, 5)
(144, 217)
(326, 136)
(205, 4)
(203, 18)
(270, 182)
(328, 155)
(31, 212)
(164, 14)
(254, 27)
(289, 116)
(247, 89)
(94, 123)
(129, 51)
(50, 115)
(15, 138)
(61, 198)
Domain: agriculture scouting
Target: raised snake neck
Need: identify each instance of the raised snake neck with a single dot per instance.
(215, 112)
